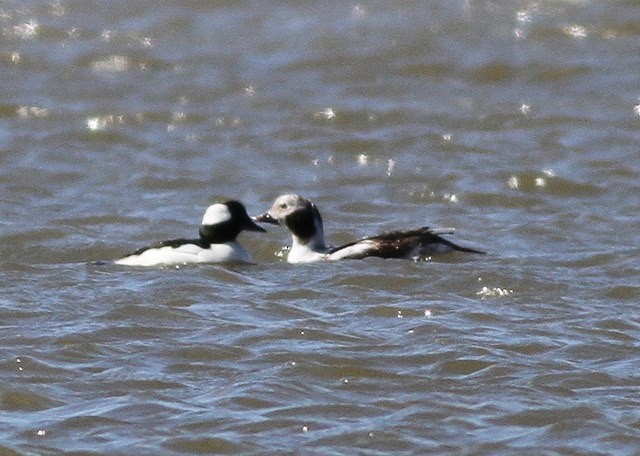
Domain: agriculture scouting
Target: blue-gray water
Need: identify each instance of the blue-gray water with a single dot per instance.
(518, 123)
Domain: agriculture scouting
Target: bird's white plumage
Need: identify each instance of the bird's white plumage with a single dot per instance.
(354, 250)
(216, 213)
(188, 253)
(303, 253)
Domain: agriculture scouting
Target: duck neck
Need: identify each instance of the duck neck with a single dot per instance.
(218, 234)
(306, 250)
(314, 243)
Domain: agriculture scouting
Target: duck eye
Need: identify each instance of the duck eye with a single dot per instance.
(283, 206)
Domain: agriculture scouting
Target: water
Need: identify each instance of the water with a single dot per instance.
(515, 122)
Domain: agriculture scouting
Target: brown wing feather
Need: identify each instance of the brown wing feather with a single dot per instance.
(403, 244)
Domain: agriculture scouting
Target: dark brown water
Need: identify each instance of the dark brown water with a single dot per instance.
(515, 122)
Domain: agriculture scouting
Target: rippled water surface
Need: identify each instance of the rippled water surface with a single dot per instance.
(518, 123)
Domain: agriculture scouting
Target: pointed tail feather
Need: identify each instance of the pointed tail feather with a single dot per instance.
(459, 248)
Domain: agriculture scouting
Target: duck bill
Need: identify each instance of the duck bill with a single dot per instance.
(266, 218)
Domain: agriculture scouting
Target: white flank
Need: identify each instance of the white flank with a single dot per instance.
(359, 249)
(188, 253)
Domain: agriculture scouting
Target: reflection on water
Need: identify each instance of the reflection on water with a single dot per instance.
(515, 124)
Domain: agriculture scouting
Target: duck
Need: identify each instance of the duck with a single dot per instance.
(302, 218)
(221, 225)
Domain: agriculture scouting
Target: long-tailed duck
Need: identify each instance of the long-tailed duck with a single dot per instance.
(303, 219)
(221, 224)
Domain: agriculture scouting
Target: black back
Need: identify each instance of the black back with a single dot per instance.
(173, 243)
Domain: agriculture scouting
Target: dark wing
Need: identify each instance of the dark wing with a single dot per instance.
(174, 243)
(419, 242)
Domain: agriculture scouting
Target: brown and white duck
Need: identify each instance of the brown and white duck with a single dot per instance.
(302, 218)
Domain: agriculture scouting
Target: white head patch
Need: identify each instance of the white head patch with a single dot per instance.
(285, 205)
(216, 213)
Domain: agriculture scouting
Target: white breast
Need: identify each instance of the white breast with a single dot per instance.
(308, 256)
(303, 253)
